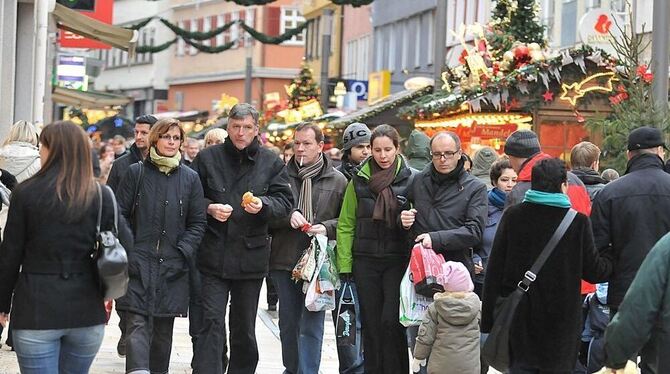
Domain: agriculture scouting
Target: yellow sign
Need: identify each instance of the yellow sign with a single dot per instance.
(575, 91)
(227, 102)
(309, 109)
(379, 85)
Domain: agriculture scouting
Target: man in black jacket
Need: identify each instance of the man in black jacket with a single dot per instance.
(630, 215)
(584, 161)
(235, 252)
(137, 152)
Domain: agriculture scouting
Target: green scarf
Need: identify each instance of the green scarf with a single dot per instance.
(164, 164)
(557, 199)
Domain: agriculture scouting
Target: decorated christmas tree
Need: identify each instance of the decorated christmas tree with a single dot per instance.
(632, 102)
(515, 21)
(303, 88)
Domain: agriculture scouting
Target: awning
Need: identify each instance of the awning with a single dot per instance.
(88, 99)
(381, 112)
(80, 24)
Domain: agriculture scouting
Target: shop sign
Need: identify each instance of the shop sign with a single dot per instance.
(360, 88)
(493, 132)
(102, 12)
(598, 27)
(71, 72)
(379, 85)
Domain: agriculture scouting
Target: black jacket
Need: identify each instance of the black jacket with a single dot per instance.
(240, 247)
(168, 225)
(327, 193)
(629, 216)
(546, 328)
(454, 215)
(591, 179)
(121, 165)
(57, 286)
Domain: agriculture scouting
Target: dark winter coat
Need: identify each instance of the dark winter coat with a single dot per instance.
(453, 214)
(57, 286)
(591, 179)
(644, 312)
(484, 250)
(121, 165)
(240, 247)
(548, 322)
(168, 225)
(629, 216)
(327, 194)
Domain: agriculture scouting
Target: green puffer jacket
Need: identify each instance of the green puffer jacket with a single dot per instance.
(449, 333)
(644, 312)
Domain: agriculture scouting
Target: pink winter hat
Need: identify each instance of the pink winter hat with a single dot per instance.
(456, 277)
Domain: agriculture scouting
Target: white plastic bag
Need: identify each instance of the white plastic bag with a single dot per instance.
(316, 299)
(412, 306)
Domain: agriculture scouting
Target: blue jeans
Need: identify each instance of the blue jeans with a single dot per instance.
(66, 351)
(300, 331)
(350, 356)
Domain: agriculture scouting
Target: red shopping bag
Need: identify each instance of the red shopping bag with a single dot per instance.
(426, 270)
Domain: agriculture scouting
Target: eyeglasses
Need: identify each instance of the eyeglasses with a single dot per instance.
(167, 137)
(447, 155)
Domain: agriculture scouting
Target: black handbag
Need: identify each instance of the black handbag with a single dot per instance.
(496, 350)
(109, 255)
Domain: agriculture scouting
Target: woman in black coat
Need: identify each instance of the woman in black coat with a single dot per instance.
(45, 259)
(547, 325)
(163, 201)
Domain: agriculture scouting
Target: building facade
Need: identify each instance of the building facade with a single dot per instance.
(314, 10)
(197, 79)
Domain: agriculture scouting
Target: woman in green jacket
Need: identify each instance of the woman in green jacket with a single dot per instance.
(372, 245)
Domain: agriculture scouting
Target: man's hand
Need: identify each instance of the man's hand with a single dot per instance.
(4, 317)
(317, 229)
(298, 220)
(407, 218)
(220, 212)
(417, 364)
(479, 268)
(425, 240)
(254, 207)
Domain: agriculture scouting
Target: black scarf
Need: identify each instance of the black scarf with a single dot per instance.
(247, 153)
(450, 177)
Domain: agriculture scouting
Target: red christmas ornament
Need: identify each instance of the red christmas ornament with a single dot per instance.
(521, 51)
(579, 117)
(548, 96)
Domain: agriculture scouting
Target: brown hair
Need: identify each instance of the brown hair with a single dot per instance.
(387, 131)
(584, 154)
(68, 167)
(163, 126)
(497, 168)
(318, 133)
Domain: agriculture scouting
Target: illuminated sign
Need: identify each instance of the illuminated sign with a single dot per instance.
(575, 91)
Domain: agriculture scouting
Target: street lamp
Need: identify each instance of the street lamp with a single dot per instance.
(326, 31)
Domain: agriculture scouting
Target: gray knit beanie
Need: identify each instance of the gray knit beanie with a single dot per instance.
(355, 134)
(522, 144)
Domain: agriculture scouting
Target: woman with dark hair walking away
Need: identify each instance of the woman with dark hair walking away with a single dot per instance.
(58, 313)
(164, 203)
(372, 245)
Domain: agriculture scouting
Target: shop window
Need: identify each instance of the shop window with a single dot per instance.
(558, 137)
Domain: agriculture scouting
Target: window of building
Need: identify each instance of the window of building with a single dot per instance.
(249, 19)
(194, 27)
(391, 41)
(417, 42)
(235, 29)
(547, 10)
(406, 48)
(618, 6)
(207, 26)
(568, 23)
(181, 45)
(592, 4)
(291, 18)
(430, 21)
(220, 21)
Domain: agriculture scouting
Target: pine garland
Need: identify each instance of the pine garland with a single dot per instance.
(251, 2)
(197, 35)
(141, 24)
(265, 39)
(203, 48)
(155, 48)
(354, 3)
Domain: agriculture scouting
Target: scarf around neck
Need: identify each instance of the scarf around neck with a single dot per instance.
(386, 205)
(306, 173)
(164, 164)
(555, 199)
(448, 178)
(497, 198)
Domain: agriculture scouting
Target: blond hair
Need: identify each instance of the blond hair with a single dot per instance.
(22, 131)
(584, 154)
(215, 134)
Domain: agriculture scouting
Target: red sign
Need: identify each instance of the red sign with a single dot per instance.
(103, 13)
(493, 131)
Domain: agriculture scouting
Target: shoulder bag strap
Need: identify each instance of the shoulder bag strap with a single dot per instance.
(116, 211)
(97, 226)
(136, 197)
(531, 274)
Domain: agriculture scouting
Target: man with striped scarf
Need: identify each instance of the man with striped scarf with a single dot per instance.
(318, 190)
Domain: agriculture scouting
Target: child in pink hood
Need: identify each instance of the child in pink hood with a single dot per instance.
(449, 333)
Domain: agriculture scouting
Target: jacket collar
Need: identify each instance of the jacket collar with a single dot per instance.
(248, 153)
(135, 151)
(644, 161)
(588, 176)
(527, 166)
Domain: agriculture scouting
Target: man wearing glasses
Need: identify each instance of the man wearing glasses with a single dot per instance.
(235, 253)
(450, 206)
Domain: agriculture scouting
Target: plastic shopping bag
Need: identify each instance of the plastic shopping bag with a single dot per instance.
(426, 270)
(412, 306)
(317, 299)
(306, 266)
(329, 277)
(345, 326)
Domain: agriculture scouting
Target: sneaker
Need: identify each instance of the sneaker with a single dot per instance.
(121, 348)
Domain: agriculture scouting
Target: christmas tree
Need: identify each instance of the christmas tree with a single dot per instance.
(632, 102)
(303, 88)
(515, 21)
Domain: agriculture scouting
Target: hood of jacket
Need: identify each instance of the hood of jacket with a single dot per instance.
(18, 156)
(457, 308)
(418, 150)
(527, 166)
(588, 176)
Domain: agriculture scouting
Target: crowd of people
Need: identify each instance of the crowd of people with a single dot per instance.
(204, 223)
